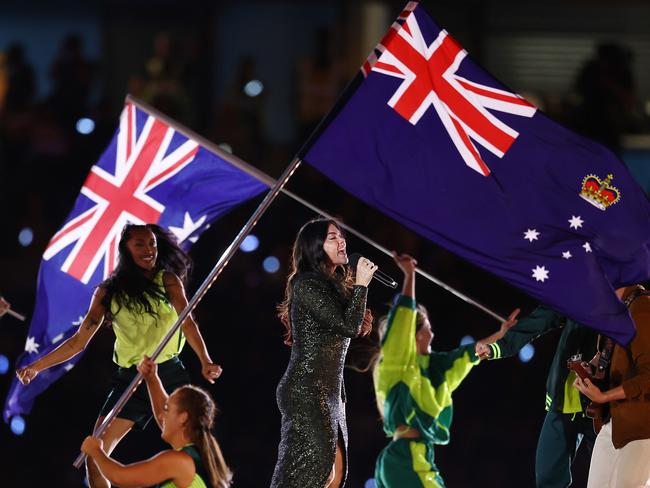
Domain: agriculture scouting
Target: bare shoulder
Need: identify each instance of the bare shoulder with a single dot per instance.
(181, 464)
(100, 292)
(171, 279)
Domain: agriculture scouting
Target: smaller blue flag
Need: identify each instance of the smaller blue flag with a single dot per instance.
(428, 137)
(150, 173)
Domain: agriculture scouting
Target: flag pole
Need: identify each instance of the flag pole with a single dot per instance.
(268, 180)
(200, 293)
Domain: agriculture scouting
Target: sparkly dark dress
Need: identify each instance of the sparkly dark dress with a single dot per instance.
(310, 394)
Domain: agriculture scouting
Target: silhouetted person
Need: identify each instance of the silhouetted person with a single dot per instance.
(608, 99)
(20, 80)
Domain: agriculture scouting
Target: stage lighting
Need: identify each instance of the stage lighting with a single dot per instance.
(526, 353)
(250, 243)
(271, 264)
(468, 339)
(253, 88)
(85, 126)
(4, 364)
(17, 425)
(25, 236)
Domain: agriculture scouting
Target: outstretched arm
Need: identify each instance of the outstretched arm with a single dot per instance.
(157, 394)
(167, 465)
(527, 329)
(176, 293)
(482, 349)
(72, 346)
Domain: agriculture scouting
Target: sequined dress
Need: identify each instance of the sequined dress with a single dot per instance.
(310, 394)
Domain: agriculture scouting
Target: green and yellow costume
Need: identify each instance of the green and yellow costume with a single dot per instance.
(415, 390)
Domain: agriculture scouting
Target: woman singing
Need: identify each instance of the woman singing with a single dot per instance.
(324, 307)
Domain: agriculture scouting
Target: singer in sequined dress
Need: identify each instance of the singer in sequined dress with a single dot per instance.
(324, 308)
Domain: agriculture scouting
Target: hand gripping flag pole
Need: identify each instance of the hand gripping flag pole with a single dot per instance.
(264, 178)
(203, 289)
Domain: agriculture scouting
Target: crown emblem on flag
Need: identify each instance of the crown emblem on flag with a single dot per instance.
(599, 192)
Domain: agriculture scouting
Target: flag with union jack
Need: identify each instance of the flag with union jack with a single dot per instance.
(428, 137)
(150, 173)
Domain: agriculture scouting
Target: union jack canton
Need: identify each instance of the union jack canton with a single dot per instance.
(150, 173)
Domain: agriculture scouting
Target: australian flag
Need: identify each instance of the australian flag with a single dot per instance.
(150, 173)
(428, 137)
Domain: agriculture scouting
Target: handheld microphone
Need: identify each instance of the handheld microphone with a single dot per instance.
(380, 276)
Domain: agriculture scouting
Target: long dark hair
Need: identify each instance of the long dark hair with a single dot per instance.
(308, 256)
(128, 283)
(201, 411)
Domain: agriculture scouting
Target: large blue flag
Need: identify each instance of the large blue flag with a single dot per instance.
(150, 173)
(428, 137)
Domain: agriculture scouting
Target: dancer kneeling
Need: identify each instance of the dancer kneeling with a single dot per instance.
(413, 387)
(185, 418)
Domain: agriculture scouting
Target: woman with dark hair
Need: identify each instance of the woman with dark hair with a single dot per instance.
(141, 299)
(185, 418)
(324, 308)
(413, 386)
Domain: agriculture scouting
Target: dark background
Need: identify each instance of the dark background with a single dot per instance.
(192, 60)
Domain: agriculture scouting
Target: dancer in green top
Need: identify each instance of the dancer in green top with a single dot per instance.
(185, 418)
(141, 299)
(413, 386)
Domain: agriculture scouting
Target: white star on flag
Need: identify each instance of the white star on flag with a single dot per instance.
(540, 273)
(57, 338)
(68, 366)
(587, 247)
(189, 227)
(78, 321)
(567, 255)
(31, 346)
(575, 222)
(531, 235)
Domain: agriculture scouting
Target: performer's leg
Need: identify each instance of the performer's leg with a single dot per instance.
(555, 449)
(604, 459)
(113, 434)
(336, 476)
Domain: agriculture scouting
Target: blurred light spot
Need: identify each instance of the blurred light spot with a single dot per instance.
(468, 339)
(85, 126)
(253, 88)
(271, 264)
(25, 237)
(17, 425)
(4, 364)
(370, 483)
(226, 147)
(250, 243)
(526, 353)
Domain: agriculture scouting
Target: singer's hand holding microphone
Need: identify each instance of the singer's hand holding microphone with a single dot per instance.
(366, 270)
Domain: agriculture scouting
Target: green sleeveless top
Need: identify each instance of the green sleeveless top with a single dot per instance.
(139, 334)
(199, 477)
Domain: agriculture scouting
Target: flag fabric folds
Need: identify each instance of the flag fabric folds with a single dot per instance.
(150, 173)
(428, 137)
